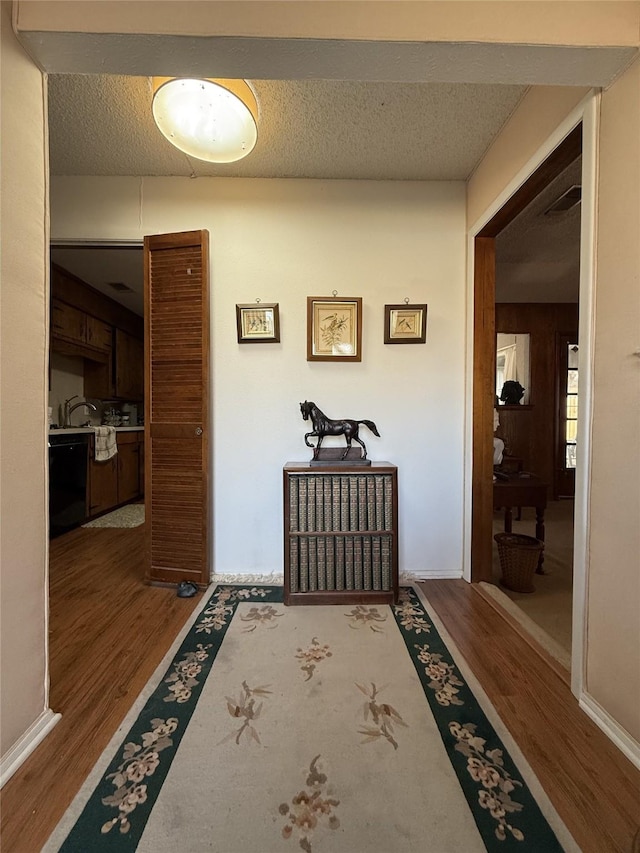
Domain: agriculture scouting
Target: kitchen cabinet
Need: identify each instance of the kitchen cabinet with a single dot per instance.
(77, 328)
(108, 336)
(128, 467)
(129, 366)
(122, 377)
(99, 334)
(141, 461)
(116, 480)
(68, 322)
(103, 484)
(98, 379)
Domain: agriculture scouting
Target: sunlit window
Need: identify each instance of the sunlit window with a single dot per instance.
(571, 428)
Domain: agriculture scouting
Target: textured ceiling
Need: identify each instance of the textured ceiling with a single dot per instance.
(102, 125)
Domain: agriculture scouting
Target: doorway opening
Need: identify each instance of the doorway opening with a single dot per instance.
(96, 370)
(96, 379)
(527, 286)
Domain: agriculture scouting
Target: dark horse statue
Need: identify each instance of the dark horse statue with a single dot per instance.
(322, 425)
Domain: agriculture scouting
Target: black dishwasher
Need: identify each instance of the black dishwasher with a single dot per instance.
(68, 457)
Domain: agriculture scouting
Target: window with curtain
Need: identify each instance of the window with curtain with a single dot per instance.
(505, 366)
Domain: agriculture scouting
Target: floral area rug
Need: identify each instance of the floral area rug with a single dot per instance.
(131, 515)
(327, 729)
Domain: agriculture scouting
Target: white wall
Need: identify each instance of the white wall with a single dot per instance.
(23, 358)
(284, 240)
(67, 380)
(613, 652)
(609, 680)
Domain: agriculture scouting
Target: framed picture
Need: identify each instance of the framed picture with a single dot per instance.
(258, 323)
(405, 324)
(334, 328)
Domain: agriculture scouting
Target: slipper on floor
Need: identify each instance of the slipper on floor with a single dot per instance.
(186, 589)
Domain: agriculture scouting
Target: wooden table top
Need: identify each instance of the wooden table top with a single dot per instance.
(520, 491)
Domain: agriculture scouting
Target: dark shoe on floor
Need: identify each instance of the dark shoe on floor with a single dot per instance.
(186, 589)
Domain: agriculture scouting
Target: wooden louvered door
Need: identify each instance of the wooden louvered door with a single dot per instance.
(177, 407)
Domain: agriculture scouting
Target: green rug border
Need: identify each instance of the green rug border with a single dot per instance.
(208, 630)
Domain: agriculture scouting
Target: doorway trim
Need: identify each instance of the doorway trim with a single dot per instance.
(587, 113)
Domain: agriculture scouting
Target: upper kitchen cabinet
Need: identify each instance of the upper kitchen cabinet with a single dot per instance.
(67, 323)
(99, 334)
(129, 366)
(76, 332)
(108, 336)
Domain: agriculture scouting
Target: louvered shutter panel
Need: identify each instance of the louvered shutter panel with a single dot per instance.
(177, 407)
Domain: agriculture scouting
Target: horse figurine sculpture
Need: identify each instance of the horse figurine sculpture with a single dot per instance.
(322, 425)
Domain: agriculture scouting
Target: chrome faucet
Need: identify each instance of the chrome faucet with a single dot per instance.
(69, 409)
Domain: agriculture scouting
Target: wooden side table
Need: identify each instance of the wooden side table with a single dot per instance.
(520, 491)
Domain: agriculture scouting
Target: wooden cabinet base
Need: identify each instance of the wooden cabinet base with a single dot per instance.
(103, 485)
(128, 467)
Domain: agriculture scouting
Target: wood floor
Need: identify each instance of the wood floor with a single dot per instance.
(594, 788)
(109, 631)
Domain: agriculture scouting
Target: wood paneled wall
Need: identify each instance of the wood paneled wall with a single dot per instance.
(530, 432)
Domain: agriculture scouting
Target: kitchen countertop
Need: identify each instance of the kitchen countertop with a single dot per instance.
(72, 430)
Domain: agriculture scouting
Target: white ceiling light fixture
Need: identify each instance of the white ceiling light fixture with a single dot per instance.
(212, 120)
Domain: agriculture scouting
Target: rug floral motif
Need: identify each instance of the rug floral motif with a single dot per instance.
(311, 809)
(379, 718)
(505, 812)
(312, 656)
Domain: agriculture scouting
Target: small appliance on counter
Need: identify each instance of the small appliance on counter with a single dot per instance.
(111, 417)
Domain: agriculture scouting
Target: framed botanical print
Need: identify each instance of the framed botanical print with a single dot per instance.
(258, 323)
(334, 328)
(405, 324)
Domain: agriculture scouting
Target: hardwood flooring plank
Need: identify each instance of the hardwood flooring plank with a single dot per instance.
(593, 786)
(108, 633)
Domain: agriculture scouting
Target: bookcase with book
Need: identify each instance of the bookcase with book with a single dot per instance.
(340, 533)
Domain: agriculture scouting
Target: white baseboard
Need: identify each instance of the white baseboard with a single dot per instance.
(622, 739)
(274, 578)
(278, 579)
(25, 745)
(435, 574)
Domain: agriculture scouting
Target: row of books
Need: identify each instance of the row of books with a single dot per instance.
(340, 502)
(340, 562)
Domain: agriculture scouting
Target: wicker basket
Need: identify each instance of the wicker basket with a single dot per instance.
(519, 557)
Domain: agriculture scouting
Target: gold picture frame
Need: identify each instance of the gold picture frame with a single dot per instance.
(405, 324)
(258, 323)
(334, 328)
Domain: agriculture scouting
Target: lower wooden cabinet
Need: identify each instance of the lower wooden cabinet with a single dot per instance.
(103, 484)
(116, 480)
(128, 467)
(141, 461)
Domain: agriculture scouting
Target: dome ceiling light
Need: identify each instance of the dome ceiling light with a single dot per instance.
(212, 120)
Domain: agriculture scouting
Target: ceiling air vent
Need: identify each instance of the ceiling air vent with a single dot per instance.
(566, 201)
(120, 286)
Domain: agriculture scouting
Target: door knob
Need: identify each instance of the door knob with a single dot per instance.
(198, 430)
